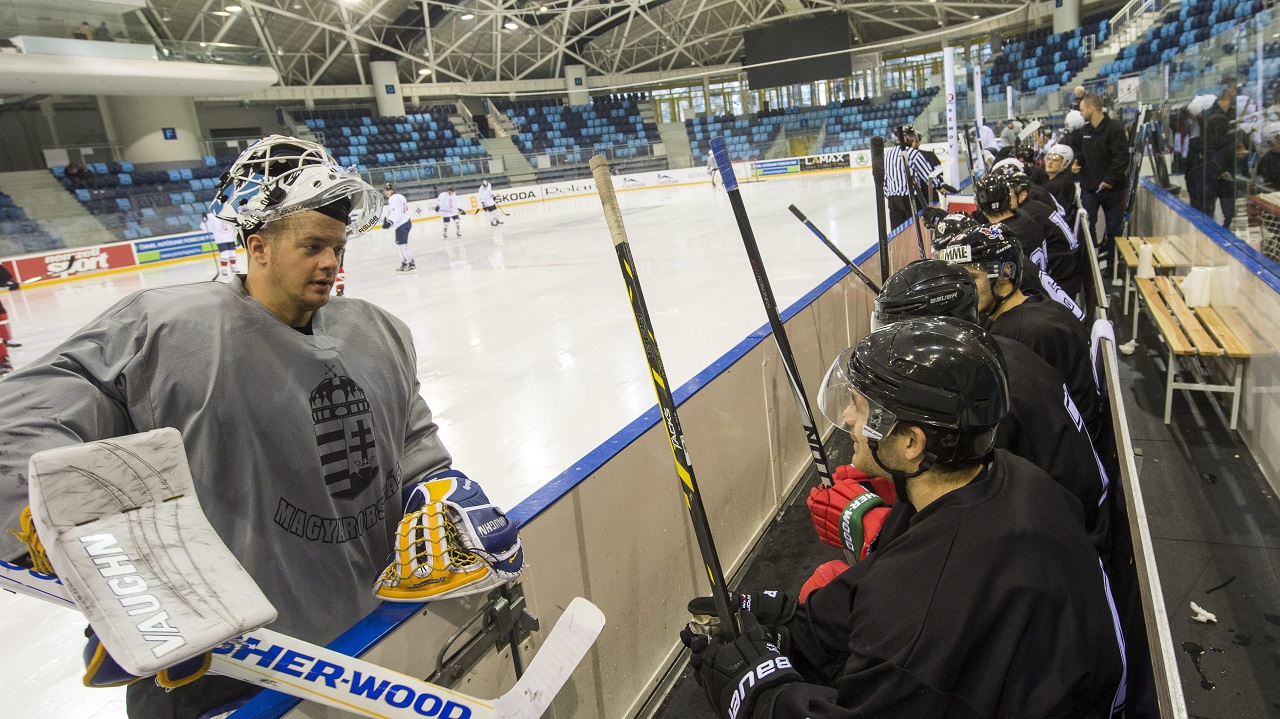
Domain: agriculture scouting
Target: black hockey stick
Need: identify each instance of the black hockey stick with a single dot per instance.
(968, 153)
(684, 465)
(877, 179)
(730, 181)
(836, 250)
(913, 199)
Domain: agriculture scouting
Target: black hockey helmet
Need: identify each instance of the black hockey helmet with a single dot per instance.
(389, 186)
(942, 374)
(950, 225)
(927, 288)
(991, 192)
(1015, 176)
(904, 133)
(1026, 153)
(994, 248)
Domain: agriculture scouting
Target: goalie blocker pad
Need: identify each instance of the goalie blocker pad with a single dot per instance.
(122, 526)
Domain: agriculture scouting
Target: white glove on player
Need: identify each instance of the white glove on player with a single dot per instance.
(452, 542)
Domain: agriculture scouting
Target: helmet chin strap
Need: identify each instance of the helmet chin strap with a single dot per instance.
(1001, 299)
(899, 477)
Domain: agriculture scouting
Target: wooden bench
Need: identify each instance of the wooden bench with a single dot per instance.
(1202, 332)
(1164, 258)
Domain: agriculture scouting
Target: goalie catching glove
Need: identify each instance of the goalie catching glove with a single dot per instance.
(451, 542)
(850, 512)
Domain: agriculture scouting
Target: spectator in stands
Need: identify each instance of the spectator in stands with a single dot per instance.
(103, 33)
(1076, 96)
(80, 175)
(1104, 163)
(84, 32)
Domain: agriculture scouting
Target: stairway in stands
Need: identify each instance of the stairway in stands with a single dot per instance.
(47, 202)
(676, 141)
(516, 167)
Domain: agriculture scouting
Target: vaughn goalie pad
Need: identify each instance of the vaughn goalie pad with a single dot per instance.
(122, 526)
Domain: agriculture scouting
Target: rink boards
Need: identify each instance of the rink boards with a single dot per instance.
(613, 528)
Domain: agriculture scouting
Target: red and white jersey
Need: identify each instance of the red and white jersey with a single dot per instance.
(222, 231)
(447, 203)
(485, 195)
(396, 210)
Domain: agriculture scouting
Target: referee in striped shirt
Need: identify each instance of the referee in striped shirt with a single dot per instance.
(896, 186)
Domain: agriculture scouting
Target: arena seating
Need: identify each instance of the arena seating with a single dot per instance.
(424, 136)
(850, 125)
(1194, 22)
(570, 134)
(1041, 62)
(134, 204)
(20, 235)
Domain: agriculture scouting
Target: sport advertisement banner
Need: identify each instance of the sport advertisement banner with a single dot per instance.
(72, 263)
(173, 247)
(769, 168)
(830, 161)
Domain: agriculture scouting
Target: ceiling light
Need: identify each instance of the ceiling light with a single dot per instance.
(975, 17)
(542, 8)
(280, 51)
(232, 8)
(221, 13)
(510, 25)
(468, 16)
(425, 71)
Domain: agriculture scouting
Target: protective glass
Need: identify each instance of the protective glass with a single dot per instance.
(837, 392)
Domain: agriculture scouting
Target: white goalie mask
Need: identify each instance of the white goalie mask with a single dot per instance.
(281, 176)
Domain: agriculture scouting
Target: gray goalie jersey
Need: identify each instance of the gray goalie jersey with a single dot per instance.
(298, 443)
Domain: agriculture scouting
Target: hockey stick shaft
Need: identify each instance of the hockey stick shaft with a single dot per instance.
(666, 403)
(877, 179)
(915, 209)
(721, 154)
(835, 250)
(300, 669)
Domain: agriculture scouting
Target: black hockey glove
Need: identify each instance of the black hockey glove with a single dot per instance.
(769, 607)
(734, 674)
(932, 215)
(386, 224)
(461, 211)
(948, 189)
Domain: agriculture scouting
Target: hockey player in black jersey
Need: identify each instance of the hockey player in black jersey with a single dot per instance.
(982, 597)
(993, 259)
(1043, 424)
(995, 201)
(1065, 264)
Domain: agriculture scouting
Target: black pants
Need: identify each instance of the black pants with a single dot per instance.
(147, 700)
(899, 211)
(1111, 203)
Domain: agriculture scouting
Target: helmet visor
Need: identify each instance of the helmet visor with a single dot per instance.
(838, 393)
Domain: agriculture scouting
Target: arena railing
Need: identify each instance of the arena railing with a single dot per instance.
(211, 52)
(1164, 667)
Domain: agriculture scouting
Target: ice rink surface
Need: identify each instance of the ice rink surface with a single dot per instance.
(527, 350)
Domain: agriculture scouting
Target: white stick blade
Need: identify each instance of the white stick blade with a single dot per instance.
(573, 636)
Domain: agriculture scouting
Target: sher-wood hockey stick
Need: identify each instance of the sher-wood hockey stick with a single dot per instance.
(721, 154)
(291, 666)
(915, 208)
(661, 387)
(835, 250)
(882, 229)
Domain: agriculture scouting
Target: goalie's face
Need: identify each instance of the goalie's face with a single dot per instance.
(293, 263)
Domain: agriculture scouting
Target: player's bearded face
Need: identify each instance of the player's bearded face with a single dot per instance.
(986, 300)
(855, 417)
(303, 261)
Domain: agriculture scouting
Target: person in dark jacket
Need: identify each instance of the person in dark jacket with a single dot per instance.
(982, 596)
(1221, 135)
(1103, 155)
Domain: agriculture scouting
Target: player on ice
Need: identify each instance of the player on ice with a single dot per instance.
(981, 597)
(447, 206)
(485, 196)
(314, 456)
(712, 169)
(224, 240)
(396, 215)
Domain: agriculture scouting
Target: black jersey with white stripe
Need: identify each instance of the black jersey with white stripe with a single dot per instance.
(988, 602)
(1052, 332)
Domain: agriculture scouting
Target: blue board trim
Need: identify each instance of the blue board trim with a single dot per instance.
(375, 627)
(1257, 263)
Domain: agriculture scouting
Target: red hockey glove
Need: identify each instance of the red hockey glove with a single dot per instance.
(821, 577)
(848, 515)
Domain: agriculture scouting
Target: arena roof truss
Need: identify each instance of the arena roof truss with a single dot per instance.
(329, 42)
